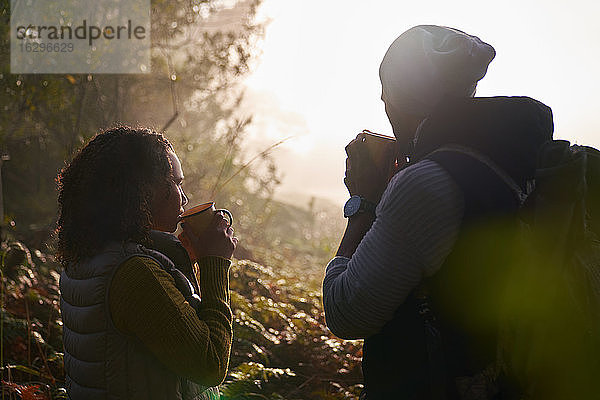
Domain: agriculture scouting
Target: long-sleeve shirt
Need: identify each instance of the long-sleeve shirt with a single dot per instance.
(145, 303)
(417, 223)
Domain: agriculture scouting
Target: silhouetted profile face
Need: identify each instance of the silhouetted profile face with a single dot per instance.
(424, 65)
(168, 201)
(403, 124)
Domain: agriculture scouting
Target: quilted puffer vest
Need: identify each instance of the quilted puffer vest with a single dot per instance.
(100, 361)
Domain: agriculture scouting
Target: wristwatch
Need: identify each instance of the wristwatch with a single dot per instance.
(358, 205)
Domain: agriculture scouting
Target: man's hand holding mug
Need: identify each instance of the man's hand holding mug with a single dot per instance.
(372, 161)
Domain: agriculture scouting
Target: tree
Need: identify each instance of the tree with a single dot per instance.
(200, 49)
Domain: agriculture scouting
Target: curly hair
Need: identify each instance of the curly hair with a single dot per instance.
(105, 193)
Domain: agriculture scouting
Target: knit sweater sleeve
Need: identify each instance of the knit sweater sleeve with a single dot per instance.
(145, 303)
(417, 222)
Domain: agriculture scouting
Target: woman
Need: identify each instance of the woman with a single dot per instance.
(134, 327)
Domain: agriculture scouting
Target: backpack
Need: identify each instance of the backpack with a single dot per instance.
(549, 334)
(550, 340)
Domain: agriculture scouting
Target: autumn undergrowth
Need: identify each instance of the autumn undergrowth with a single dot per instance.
(281, 349)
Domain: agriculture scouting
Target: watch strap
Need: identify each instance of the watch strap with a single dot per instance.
(358, 205)
(367, 206)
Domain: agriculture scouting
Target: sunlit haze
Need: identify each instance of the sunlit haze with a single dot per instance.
(317, 78)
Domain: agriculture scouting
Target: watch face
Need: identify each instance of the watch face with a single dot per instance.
(352, 206)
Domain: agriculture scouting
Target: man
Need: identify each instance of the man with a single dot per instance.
(420, 276)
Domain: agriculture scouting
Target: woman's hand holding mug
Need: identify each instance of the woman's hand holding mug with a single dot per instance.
(207, 232)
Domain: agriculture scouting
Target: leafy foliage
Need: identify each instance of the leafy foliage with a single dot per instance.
(281, 350)
(31, 325)
(191, 92)
(280, 324)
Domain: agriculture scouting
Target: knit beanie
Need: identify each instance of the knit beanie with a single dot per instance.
(428, 62)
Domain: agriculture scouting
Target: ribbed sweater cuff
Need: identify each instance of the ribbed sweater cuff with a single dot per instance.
(214, 279)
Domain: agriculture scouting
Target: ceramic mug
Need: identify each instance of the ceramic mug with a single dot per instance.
(382, 151)
(199, 217)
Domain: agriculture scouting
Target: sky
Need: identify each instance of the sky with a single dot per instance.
(317, 81)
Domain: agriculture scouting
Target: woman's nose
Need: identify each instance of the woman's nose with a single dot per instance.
(184, 199)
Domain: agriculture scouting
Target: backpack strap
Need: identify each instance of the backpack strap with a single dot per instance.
(481, 158)
(488, 190)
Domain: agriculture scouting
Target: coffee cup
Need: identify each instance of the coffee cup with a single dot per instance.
(198, 218)
(382, 151)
